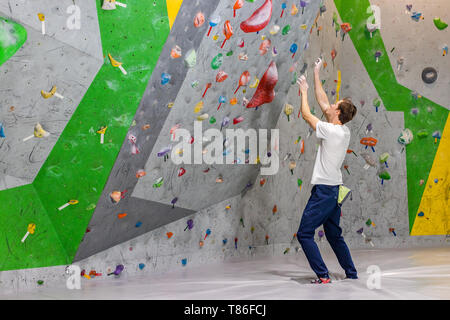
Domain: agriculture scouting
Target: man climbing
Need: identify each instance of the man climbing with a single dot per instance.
(322, 206)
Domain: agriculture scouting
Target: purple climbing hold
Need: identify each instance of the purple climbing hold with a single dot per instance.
(190, 224)
(174, 200)
(225, 122)
(118, 271)
(164, 151)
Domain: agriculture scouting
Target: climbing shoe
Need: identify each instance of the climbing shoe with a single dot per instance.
(321, 281)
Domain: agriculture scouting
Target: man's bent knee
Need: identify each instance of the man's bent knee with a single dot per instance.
(304, 236)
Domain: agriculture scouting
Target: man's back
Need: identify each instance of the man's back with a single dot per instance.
(334, 141)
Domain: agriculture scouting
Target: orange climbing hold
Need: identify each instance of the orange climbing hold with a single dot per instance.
(237, 5)
(121, 215)
(199, 19)
(346, 27)
(169, 235)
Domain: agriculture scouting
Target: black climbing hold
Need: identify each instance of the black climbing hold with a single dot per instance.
(429, 75)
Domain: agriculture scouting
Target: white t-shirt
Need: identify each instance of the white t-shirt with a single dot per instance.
(334, 141)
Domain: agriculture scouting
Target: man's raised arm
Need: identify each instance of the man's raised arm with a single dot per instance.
(321, 96)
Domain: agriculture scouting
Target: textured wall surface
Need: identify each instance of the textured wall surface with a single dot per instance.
(385, 204)
(195, 190)
(78, 166)
(85, 39)
(68, 59)
(420, 43)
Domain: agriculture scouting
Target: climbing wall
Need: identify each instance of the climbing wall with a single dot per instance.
(76, 169)
(162, 219)
(264, 221)
(148, 204)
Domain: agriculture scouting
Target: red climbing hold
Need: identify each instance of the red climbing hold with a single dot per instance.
(259, 19)
(208, 85)
(265, 92)
(238, 120)
(221, 76)
(243, 80)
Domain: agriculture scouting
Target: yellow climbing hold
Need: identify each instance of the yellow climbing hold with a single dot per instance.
(198, 107)
(338, 87)
(114, 62)
(255, 83)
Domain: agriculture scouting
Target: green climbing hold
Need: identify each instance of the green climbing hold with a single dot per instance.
(158, 183)
(12, 37)
(376, 102)
(294, 78)
(422, 133)
(217, 61)
(405, 137)
(286, 30)
(335, 18)
(441, 25)
(368, 222)
(212, 120)
(91, 206)
(384, 175)
(230, 53)
(384, 157)
(40, 282)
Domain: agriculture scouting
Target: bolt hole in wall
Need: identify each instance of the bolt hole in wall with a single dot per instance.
(103, 190)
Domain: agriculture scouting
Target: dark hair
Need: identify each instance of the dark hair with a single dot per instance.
(348, 110)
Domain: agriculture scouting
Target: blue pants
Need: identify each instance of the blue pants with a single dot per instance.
(322, 208)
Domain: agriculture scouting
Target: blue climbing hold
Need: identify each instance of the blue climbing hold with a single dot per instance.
(141, 266)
